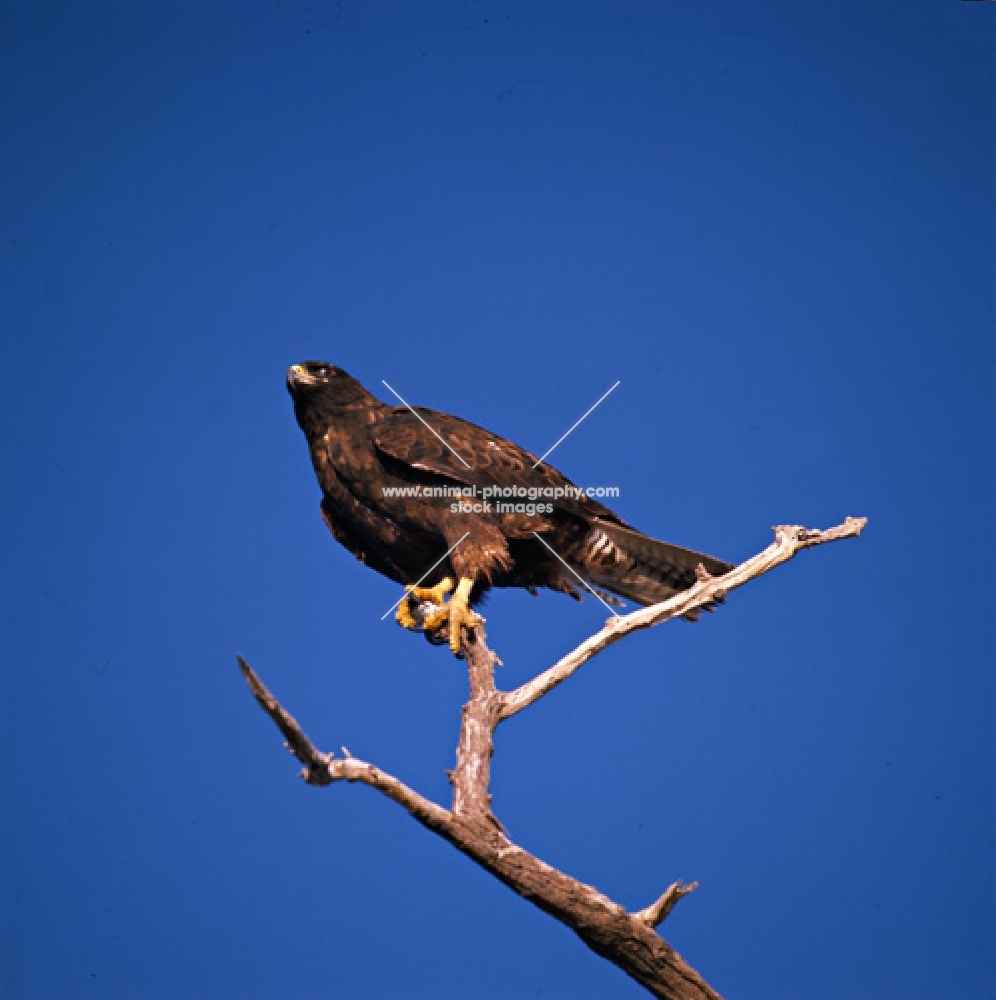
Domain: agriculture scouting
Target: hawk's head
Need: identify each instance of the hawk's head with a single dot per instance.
(309, 376)
(321, 391)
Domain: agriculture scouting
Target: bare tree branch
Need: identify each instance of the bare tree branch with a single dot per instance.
(789, 539)
(626, 939)
(324, 769)
(315, 762)
(478, 719)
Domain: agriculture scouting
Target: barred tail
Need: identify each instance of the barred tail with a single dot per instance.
(641, 568)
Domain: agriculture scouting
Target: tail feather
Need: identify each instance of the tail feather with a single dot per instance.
(643, 569)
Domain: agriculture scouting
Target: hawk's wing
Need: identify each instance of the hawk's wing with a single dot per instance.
(490, 460)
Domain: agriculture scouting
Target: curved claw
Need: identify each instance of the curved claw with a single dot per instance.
(460, 613)
(403, 616)
(454, 614)
(437, 595)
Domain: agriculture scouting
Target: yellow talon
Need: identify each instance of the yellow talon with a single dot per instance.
(456, 612)
(403, 616)
(437, 595)
(459, 613)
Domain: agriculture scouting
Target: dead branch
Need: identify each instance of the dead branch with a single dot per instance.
(471, 777)
(789, 539)
(325, 768)
(315, 762)
(626, 939)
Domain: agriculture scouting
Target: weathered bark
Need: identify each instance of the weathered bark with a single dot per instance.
(626, 939)
(471, 777)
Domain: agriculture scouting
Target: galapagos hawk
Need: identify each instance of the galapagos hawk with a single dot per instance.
(446, 508)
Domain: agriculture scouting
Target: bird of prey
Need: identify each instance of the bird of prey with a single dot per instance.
(446, 508)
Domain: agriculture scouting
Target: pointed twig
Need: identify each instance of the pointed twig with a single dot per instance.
(657, 912)
(315, 762)
(324, 769)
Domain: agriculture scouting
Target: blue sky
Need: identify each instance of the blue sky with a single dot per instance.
(772, 223)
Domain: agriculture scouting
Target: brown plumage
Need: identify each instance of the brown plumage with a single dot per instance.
(361, 447)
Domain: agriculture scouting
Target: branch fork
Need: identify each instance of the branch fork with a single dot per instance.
(629, 940)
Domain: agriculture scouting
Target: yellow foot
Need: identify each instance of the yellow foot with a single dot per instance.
(437, 595)
(456, 613)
